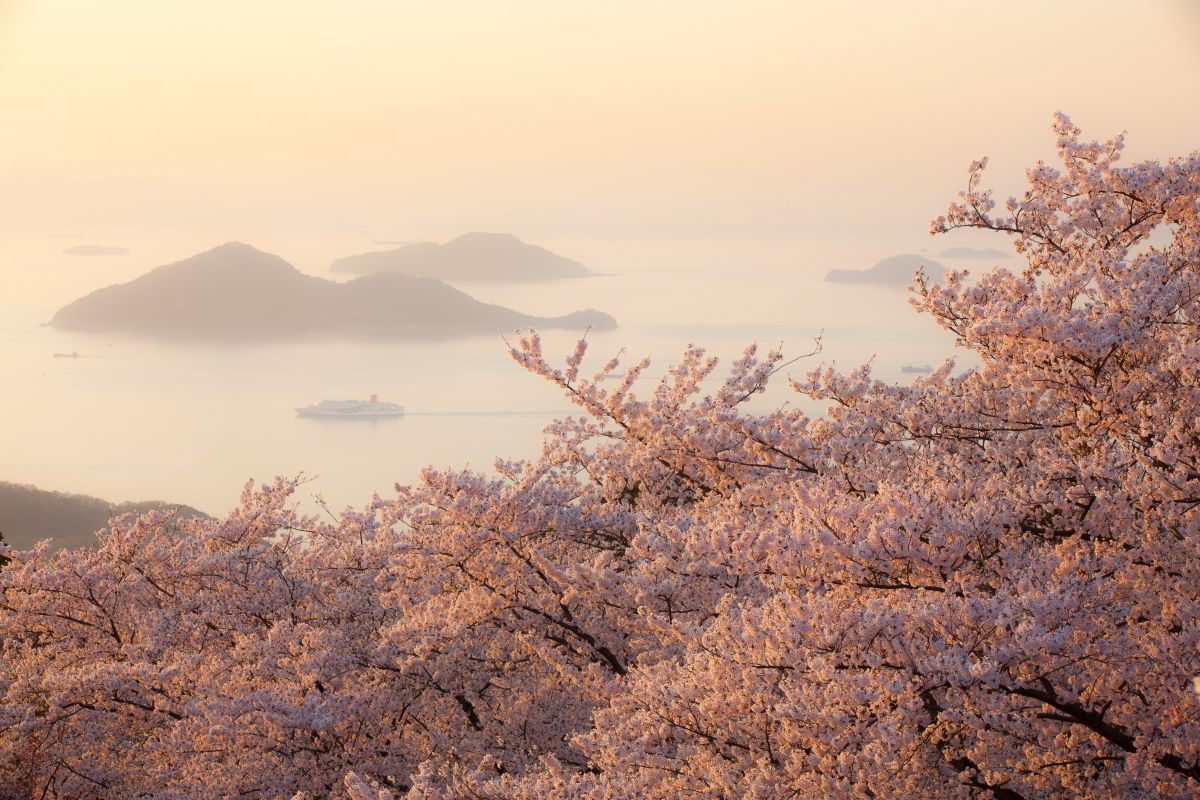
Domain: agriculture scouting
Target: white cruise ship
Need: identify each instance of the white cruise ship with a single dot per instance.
(352, 408)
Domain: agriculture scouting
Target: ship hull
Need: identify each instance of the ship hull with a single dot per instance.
(347, 414)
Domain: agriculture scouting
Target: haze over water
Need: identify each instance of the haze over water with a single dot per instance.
(136, 417)
(712, 161)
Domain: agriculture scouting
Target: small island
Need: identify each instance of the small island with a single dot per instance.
(95, 250)
(484, 257)
(893, 271)
(235, 293)
(974, 252)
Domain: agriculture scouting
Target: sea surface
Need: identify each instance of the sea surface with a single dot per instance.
(134, 418)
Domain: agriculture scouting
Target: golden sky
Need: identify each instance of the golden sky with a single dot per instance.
(558, 117)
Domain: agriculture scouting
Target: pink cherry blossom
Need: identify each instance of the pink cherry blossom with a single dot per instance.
(982, 584)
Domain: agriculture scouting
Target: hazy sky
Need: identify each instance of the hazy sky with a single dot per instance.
(556, 117)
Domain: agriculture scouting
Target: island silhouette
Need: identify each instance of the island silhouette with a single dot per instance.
(95, 250)
(974, 252)
(236, 293)
(490, 257)
(893, 271)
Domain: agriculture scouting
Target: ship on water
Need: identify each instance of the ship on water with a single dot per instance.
(372, 407)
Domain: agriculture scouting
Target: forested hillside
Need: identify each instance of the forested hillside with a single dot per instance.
(29, 514)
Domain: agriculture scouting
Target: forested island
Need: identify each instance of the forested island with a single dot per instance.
(484, 257)
(237, 293)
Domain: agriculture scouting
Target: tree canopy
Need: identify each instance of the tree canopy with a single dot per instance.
(981, 584)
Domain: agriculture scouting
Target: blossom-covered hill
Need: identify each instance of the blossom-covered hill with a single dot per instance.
(235, 292)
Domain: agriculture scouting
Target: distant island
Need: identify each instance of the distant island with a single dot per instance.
(974, 252)
(491, 257)
(894, 271)
(29, 514)
(95, 250)
(237, 293)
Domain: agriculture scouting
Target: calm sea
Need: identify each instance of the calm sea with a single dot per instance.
(134, 418)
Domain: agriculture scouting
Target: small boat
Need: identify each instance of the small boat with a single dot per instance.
(917, 369)
(71, 354)
(344, 409)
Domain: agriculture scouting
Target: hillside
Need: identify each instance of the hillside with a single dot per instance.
(236, 293)
(491, 257)
(29, 514)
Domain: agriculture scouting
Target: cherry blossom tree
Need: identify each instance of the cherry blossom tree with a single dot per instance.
(976, 585)
(982, 584)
